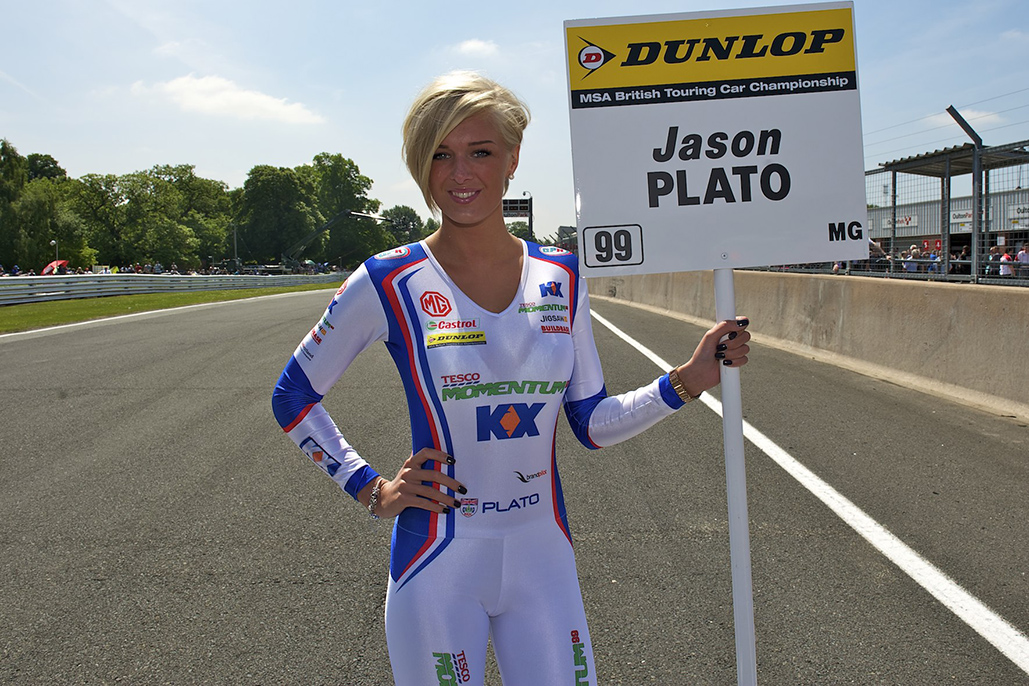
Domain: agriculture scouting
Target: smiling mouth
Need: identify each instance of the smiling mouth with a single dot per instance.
(463, 195)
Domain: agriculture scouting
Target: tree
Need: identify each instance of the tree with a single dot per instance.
(153, 220)
(404, 224)
(14, 171)
(98, 200)
(205, 207)
(44, 214)
(42, 166)
(13, 177)
(520, 229)
(339, 185)
(36, 208)
(275, 212)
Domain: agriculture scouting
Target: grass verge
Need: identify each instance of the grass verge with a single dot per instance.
(14, 318)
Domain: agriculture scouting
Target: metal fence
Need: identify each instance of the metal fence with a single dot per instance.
(28, 289)
(949, 215)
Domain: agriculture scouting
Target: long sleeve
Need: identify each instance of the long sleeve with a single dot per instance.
(352, 322)
(598, 419)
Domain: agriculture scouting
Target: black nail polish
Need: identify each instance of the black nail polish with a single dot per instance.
(462, 490)
(742, 322)
(457, 504)
(727, 362)
(446, 510)
(721, 347)
(719, 356)
(450, 459)
(733, 334)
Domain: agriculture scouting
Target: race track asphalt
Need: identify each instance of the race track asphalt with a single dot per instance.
(157, 527)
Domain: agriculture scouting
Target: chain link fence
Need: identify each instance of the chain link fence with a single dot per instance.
(959, 214)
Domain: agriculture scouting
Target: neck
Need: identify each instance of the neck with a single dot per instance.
(487, 242)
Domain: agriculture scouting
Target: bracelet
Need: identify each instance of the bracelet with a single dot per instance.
(373, 499)
(673, 377)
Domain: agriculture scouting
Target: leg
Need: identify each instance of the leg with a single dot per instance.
(436, 626)
(539, 630)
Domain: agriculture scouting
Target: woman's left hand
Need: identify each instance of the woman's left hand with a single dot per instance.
(725, 344)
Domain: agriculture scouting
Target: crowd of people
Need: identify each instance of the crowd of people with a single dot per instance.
(63, 270)
(215, 269)
(999, 261)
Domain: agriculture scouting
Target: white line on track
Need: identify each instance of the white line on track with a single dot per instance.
(987, 623)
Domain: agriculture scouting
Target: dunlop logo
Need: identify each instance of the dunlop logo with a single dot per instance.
(676, 53)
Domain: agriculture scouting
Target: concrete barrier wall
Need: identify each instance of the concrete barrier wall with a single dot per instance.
(966, 342)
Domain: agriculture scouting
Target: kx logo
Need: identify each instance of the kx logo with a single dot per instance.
(507, 421)
(550, 288)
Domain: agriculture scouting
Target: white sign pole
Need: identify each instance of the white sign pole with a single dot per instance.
(736, 488)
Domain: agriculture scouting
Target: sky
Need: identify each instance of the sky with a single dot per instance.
(117, 86)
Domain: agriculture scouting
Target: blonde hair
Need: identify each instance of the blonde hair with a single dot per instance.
(445, 103)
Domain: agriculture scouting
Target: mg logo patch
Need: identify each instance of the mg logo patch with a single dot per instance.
(435, 304)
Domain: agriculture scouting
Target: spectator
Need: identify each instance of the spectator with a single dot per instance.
(1023, 262)
(911, 260)
(991, 261)
(934, 263)
(1005, 264)
(965, 262)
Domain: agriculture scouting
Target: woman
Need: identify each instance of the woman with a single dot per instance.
(491, 336)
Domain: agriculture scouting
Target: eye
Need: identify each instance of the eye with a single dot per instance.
(440, 155)
(482, 153)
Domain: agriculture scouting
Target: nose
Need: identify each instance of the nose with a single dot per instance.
(460, 171)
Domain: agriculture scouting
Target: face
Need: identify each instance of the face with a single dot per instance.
(469, 172)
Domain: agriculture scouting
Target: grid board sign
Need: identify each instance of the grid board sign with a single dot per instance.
(716, 139)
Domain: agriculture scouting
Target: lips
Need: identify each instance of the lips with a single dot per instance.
(463, 196)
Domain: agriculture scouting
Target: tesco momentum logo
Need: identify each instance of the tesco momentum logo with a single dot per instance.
(435, 304)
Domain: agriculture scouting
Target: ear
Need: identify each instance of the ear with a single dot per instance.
(514, 161)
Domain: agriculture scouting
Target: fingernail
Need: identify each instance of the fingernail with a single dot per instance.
(742, 322)
(733, 334)
(721, 347)
(446, 510)
(720, 356)
(462, 490)
(450, 459)
(457, 503)
(727, 362)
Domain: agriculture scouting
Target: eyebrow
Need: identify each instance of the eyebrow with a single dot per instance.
(473, 143)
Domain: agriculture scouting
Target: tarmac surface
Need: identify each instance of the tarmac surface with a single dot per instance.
(157, 527)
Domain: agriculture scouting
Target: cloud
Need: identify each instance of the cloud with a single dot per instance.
(477, 48)
(221, 97)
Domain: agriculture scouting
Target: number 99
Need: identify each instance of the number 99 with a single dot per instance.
(617, 246)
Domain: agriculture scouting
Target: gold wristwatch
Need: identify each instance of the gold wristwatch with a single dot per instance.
(673, 377)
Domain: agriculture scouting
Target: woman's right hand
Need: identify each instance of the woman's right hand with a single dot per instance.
(409, 487)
